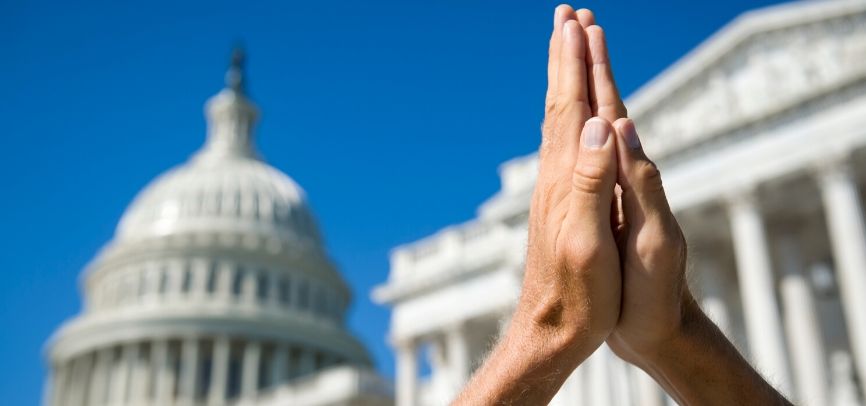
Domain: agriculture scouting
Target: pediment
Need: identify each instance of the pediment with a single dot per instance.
(764, 62)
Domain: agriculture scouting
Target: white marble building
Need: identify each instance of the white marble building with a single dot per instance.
(760, 135)
(215, 290)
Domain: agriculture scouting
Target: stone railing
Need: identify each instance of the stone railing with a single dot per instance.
(465, 247)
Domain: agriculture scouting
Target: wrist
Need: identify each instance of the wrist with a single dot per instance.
(565, 345)
(681, 339)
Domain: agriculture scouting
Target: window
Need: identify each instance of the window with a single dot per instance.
(186, 282)
(210, 286)
(142, 282)
(262, 286)
(321, 305)
(163, 280)
(284, 289)
(303, 295)
(238, 281)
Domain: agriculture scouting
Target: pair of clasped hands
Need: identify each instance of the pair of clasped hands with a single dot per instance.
(606, 258)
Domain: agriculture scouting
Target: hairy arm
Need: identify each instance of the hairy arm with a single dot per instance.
(699, 366)
(662, 329)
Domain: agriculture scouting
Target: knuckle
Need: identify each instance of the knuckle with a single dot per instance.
(549, 108)
(665, 244)
(588, 178)
(648, 176)
(582, 256)
(562, 105)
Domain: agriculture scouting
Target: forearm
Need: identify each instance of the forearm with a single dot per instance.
(701, 367)
(525, 367)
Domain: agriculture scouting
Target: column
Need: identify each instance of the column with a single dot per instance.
(123, 373)
(273, 288)
(188, 371)
(279, 366)
(248, 286)
(152, 277)
(198, 287)
(620, 380)
(163, 373)
(649, 393)
(599, 377)
(763, 324)
(459, 361)
(224, 281)
(250, 374)
(714, 294)
(802, 326)
(844, 215)
(407, 373)
(80, 374)
(99, 382)
(219, 372)
(60, 386)
(306, 361)
(139, 377)
(175, 269)
(578, 387)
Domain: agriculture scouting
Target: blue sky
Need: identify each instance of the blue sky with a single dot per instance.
(393, 115)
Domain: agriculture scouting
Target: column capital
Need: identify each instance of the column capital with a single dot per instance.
(835, 166)
(740, 197)
(404, 343)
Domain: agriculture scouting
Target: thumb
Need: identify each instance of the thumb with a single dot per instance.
(643, 196)
(594, 174)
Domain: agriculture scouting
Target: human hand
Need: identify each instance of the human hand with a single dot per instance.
(571, 291)
(656, 299)
(651, 244)
(661, 328)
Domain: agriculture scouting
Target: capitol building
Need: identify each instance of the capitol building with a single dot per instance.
(215, 290)
(760, 136)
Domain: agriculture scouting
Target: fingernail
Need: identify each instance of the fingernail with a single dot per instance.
(629, 132)
(595, 133)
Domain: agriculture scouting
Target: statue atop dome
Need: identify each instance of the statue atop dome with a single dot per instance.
(231, 116)
(235, 74)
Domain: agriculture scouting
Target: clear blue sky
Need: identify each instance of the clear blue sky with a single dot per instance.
(392, 115)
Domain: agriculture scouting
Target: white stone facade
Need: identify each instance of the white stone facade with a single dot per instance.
(760, 134)
(215, 290)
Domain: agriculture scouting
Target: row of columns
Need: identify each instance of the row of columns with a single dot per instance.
(165, 373)
(768, 335)
(454, 366)
(763, 320)
(217, 282)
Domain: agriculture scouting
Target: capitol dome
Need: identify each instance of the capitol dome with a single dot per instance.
(216, 289)
(232, 193)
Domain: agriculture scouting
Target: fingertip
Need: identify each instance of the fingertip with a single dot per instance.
(596, 133)
(586, 17)
(595, 29)
(621, 123)
(561, 13)
(627, 131)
